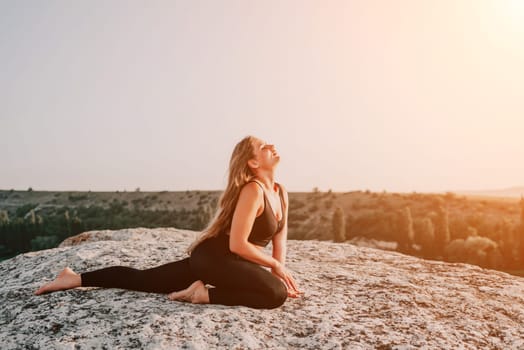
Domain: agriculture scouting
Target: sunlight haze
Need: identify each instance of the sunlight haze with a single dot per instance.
(382, 95)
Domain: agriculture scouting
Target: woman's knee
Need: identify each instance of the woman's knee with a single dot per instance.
(277, 295)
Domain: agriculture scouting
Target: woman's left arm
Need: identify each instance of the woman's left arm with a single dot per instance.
(279, 245)
(279, 240)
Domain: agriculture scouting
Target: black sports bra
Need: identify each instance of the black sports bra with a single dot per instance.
(266, 225)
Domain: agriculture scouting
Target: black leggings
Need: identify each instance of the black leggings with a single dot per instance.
(236, 280)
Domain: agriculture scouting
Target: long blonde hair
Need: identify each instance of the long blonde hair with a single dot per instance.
(239, 174)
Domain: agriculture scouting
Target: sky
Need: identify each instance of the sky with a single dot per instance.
(402, 96)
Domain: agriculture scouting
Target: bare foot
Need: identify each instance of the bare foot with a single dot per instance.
(196, 293)
(66, 279)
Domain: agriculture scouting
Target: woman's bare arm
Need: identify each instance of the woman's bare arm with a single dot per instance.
(279, 252)
(250, 199)
(280, 239)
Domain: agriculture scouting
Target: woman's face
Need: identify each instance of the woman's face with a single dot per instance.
(266, 154)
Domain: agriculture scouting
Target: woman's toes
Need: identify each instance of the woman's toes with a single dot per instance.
(186, 294)
(41, 290)
(66, 279)
(177, 295)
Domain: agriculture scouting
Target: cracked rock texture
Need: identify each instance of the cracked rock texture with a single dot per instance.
(356, 298)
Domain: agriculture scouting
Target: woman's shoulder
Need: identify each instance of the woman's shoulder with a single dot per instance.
(253, 183)
(251, 194)
(253, 188)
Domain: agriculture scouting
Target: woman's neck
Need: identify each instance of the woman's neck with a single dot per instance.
(268, 181)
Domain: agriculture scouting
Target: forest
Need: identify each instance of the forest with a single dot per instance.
(35, 226)
(485, 232)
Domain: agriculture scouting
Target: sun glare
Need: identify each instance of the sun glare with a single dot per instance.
(513, 11)
(504, 20)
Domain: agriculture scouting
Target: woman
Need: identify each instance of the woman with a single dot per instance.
(229, 254)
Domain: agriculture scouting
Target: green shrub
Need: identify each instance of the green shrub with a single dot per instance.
(44, 242)
(24, 209)
(75, 198)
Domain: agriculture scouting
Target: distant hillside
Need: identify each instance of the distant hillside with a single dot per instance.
(513, 192)
(162, 200)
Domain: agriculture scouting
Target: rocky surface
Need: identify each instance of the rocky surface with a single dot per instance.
(356, 298)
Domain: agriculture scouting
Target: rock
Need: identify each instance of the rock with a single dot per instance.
(356, 298)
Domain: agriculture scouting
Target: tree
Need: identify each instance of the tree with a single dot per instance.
(442, 235)
(68, 222)
(520, 232)
(339, 225)
(406, 234)
(427, 236)
(4, 217)
(507, 245)
(32, 217)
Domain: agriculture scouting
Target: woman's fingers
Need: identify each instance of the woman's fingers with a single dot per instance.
(292, 294)
(289, 282)
(293, 283)
(292, 287)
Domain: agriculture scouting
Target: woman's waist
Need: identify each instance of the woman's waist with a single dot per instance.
(225, 236)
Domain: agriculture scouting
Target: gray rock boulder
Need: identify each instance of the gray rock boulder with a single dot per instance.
(356, 298)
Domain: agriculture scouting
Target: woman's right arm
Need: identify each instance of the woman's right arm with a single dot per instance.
(250, 199)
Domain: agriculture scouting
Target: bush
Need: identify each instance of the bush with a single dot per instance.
(44, 242)
(24, 209)
(455, 251)
(74, 198)
(475, 250)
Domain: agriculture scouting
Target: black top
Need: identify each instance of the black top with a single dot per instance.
(266, 225)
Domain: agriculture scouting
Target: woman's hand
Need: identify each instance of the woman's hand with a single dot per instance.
(280, 271)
